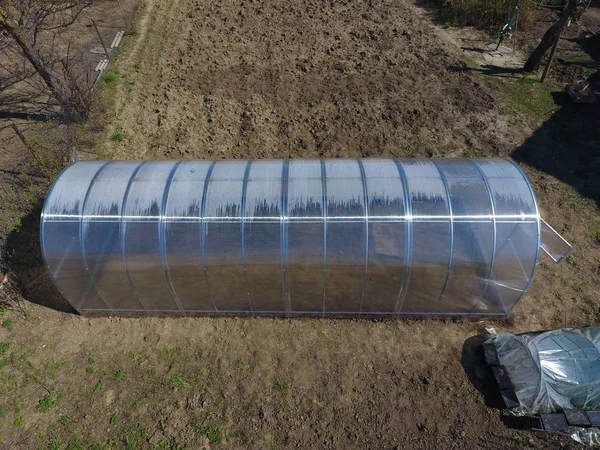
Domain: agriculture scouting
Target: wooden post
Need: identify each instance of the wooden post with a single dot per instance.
(550, 58)
(100, 37)
(534, 61)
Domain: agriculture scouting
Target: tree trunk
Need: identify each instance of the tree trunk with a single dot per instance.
(59, 91)
(550, 37)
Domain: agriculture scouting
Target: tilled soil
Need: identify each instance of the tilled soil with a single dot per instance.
(233, 79)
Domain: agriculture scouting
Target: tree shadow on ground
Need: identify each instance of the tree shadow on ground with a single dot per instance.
(28, 105)
(586, 64)
(27, 264)
(489, 69)
(567, 147)
(37, 117)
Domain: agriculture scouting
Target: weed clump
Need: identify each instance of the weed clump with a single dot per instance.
(118, 135)
(46, 404)
(111, 77)
(8, 324)
(120, 376)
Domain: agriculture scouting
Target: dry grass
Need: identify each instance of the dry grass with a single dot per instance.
(488, 13)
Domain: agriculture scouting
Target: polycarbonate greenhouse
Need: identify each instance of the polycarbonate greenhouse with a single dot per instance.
(370, 237)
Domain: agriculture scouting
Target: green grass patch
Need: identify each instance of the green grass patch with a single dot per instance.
(91, 368)
(118, 135)
(580, 59)
(111, 76)
(66, 419)
(8, 324)
(31, 378)
(19, 421)
(212, 434)
(75, 444)
(46, 404)
(120, 376)
(169, 445)
(52, 369)
(99, 386)
(100, 447)
(115, 419)
(525, 95)
(137, 437)
(594, 230)
(4, 346)
(172, 355)
(3, 363)
(55, 445)
(146, 41)
(179, 382)
(281, 385)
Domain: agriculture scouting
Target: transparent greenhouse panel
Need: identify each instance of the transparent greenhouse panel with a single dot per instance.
(345, 237)
(61, 236)
(183, 237)
(473, 237)
(514, 264)
(223, 236)
(516, 236)
(143, 235)
(471, 264)
(102, 231)
(498, 168)
(512, 200)
(431, 236)
(386, 266)
(305, 265)
(553, 244)
(263, 231)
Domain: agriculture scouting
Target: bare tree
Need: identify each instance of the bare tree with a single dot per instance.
(22, 22)
(551, 36)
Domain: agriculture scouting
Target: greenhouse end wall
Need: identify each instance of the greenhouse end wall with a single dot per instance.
(369, 237)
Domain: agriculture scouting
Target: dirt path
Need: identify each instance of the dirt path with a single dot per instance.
(239, 78)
